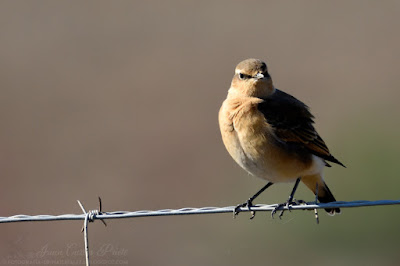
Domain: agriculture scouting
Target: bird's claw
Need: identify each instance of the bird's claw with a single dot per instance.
(247, 204)
(288, 204)
(278, 207)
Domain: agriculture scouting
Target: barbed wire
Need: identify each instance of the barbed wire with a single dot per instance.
(193, 211)
(92, 215)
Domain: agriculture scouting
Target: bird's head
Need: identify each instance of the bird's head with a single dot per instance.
(252, 79)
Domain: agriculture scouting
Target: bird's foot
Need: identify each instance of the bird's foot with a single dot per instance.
(288, 204)
(248, 204)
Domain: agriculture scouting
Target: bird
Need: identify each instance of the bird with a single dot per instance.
(271, 135)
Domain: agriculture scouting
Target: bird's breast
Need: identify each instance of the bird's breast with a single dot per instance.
(251, 142)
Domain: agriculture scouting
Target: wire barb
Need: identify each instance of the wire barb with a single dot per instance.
(100, 211)
(89, 217)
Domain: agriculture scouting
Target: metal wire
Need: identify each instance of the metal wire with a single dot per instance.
(92, 215)
(192, 211)
(89, 216)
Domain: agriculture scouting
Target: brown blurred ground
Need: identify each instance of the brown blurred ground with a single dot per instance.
(120, 99)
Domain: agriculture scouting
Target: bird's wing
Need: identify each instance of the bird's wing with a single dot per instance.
(293, 123)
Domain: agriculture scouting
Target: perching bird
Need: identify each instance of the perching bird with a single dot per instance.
(270, 134)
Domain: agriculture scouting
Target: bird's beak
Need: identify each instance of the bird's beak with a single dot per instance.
(259, 76)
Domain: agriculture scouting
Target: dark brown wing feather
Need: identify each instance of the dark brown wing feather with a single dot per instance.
(293, 123)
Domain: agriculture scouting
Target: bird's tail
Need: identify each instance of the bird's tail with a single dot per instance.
(324, 193)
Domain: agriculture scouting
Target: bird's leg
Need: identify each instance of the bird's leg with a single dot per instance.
(288, 202)
(249, 202)
(316, 202)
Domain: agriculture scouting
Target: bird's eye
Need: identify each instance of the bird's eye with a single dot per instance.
(243, 76)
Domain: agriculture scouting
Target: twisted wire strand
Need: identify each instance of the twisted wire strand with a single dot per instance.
(92, 215)
(97, 215)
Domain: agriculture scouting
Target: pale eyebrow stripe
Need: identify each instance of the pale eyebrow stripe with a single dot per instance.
(237, 71)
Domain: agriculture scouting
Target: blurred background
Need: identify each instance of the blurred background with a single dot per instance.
(119, 99)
